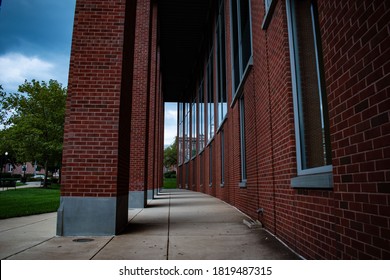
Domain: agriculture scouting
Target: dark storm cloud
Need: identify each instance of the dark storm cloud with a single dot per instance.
(34, 26)
(35, 39)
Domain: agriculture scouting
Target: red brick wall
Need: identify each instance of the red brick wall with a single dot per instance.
(95, 103)
(352, 219)
(356, 55)
(140, 108)
(152, 100)
(349, 221)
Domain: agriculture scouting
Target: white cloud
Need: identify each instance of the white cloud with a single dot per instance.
(170, 129)
(16, 68)
(171, 114)
(170, 132)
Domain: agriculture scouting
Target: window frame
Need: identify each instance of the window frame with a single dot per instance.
(210, 96)
(201, 118)
(187, 132)
(269, 7)
(194, 135)
(243, 70)
(181, 133)
(316, 177)
(220, 42)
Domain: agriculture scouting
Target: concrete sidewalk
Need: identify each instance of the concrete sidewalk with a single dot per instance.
(35, 184)
(177, 224)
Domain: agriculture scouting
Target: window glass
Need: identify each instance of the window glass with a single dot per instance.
(201, 121)
(241, 40)
(310, 103)
(246, 47)
(221, 65)
(181, 134)
(187, 139)
(210, 98)
(194, 130)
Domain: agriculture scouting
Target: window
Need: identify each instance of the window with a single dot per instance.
(180, 151)
(242, 142)
(201, 120)
(310, 104)
(241, 41)
(9, 168)
(269, 6)
(221, 64)
(193, 126)
(210, 98)
(187, 147)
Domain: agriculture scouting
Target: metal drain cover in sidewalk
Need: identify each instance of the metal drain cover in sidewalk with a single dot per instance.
(83, 240)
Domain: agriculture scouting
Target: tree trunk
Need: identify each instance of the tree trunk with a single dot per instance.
(46, 173)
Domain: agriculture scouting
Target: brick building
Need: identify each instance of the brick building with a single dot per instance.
(283, 112)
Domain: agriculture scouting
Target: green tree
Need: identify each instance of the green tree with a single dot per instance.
(170, 155)
(36, 123)
(3, 111)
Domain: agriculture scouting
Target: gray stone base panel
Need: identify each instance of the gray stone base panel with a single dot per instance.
(91, 216)
(137, 199)
(150, 194)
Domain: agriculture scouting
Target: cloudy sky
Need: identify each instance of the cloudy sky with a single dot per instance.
(35, 41)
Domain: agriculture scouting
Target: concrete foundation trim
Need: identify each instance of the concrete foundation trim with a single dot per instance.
(150, 194)
(136, 199)
(315, 181)
(87, 216)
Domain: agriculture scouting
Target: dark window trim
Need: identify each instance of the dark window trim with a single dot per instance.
(268, 13)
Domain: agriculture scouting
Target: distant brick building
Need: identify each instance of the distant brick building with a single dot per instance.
(21, 169)
(285, 103)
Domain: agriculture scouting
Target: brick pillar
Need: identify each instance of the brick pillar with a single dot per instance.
(157, 164)
(162, 114)
(139, 151)
(152, 104)
(94, 194)
(160, 132)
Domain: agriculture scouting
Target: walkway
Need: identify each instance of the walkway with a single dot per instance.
(35, 184)
(178, 224)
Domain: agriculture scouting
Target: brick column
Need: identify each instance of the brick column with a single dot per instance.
(139, 151)
(152, 103)
(94, 195)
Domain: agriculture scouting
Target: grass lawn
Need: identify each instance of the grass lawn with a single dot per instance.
(169, 183)
(29, 201)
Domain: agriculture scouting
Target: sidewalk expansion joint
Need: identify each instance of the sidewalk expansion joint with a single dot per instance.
(104, 246)
(169, 224)
(35, 245)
